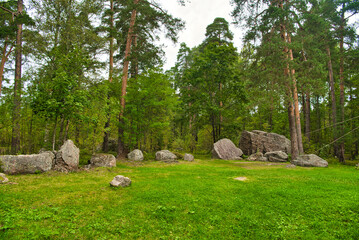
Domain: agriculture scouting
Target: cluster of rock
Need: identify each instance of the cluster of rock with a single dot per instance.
(65, 160)
(163, 155)
(265, 147)
(275, 156)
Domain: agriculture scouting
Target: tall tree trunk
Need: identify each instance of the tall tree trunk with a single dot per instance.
(121, 146)
(15, 142)
(341, 149)
(307, 115)
(332, 95)
(54, 135)
(110, 78)
(295, 99)
(293, 132)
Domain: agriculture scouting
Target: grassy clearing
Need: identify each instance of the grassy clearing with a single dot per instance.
(199, 200)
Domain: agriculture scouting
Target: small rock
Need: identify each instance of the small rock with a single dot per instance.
(3, 178)
(165, 155)
(188, 157)
(120, 181)
(276, 156)
(241, 179)
(310, 160)
(135, 155)
(103, 160)
(290, 166)
(257, 157)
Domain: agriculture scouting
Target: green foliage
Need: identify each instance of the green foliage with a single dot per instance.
(149, 110)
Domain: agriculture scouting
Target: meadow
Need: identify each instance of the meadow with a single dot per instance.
(187, 200)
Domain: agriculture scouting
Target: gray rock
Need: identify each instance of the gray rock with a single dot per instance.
(22, 164)
(310, 160)
(225, 149)
(3, 178)
(259, 141)
(257, 157)
(276, 156)
(103, 160)
(165, 155)
(135, 155)
(188, 157)
(67, 158)
(120, 181)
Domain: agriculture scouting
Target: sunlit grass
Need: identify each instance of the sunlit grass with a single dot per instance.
(199, 200)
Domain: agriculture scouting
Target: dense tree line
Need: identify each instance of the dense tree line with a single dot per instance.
(297, 75)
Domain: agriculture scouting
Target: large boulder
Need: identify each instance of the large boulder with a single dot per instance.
(259, 141)
(310, 160)
(165, 155)
(120, 181)
(225, 149)
(68, 157)
(135, 155)
(188, 157)
(276, 156)
(103, 160)
(257, 157)
(20, 164)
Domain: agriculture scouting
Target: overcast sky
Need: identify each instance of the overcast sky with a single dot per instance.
(197, 14)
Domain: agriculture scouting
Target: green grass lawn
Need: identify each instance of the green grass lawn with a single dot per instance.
(199, 200)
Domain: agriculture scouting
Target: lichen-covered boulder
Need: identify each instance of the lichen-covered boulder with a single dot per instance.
(225, 149)
(259, 141)
(3, 178)
(165, 155)
(103, 160)
(120, 181)
(22, 164)
(188, 157)
(276, 156)
(257, 157)
(67, 158)
(309, 160)
(135, 155)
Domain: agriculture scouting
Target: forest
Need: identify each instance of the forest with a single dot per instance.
(92, 71)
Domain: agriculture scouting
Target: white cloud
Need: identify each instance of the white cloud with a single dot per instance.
(197, 14)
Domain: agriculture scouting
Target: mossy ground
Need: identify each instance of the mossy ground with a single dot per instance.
(199, 200)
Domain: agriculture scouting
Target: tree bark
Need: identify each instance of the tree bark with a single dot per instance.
(295, 99)
(307, 116)
(121, 146)
(293, 132)
(54, 135)
(332, 95)
(15, 142)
